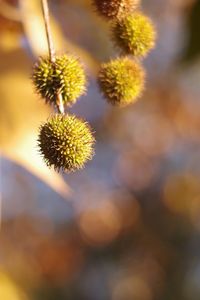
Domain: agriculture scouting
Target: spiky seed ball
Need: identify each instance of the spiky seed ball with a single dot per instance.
(65, 76)
(134, 34)
(66, 142)
(121, 81)
(112, 9)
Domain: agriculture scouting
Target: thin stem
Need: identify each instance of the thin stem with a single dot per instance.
(60, 103)
(45, 9)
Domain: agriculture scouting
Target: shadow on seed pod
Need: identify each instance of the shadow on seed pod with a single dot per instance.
(66, 142)
(112, 9)
(134, 34)
(121, 81)
(66, 76)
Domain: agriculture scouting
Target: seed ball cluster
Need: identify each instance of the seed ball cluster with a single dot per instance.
(121, 81)
(112, 9)
(66, 142)
(65, 76)
(134, 34)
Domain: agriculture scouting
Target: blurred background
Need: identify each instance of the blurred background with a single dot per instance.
(127, 227)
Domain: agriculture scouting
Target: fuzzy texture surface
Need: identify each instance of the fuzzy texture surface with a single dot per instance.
(65, 76)
(134, 34)
(112, 9)
(121, 81)
(66, 142)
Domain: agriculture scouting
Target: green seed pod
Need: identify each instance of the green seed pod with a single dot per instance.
(112, 9)
(121, 81)
(134, 34)
(66, 142)
(65, 76)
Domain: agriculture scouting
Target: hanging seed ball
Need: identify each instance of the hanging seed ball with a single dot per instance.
(66, 142)
(65, 76)
(112, 9)
(134, 34)
(121, 81)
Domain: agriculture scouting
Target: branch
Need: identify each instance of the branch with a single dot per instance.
(45, 9)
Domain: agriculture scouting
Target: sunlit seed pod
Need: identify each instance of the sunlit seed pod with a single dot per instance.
(121, 81)
(112, 9)
(134, 34)
(65, 76)
(66, 142)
